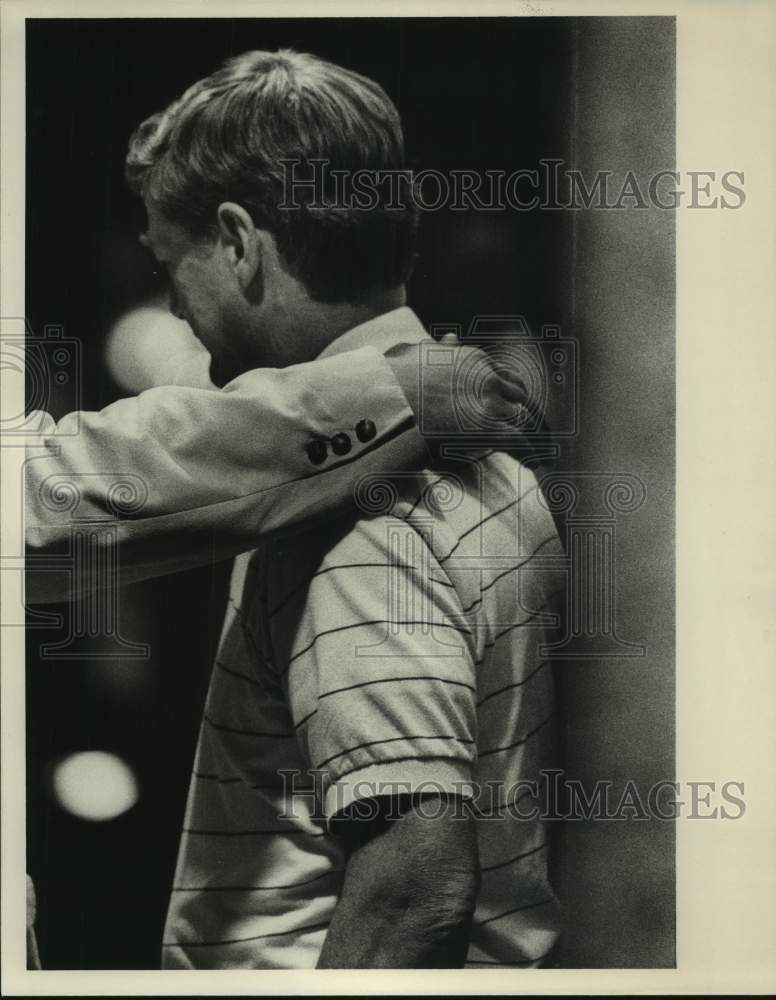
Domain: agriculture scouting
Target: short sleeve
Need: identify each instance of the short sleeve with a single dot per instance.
(380, 674)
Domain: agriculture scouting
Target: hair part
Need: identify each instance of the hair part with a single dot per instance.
(226, 139)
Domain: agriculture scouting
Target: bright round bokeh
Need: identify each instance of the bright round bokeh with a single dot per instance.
(148, 346)
(94, 785)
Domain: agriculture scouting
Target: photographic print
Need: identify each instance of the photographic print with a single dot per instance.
(348, 472)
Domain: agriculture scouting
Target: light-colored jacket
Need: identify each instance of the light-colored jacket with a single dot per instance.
(188, 475)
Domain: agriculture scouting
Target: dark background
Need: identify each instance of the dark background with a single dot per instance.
(473, 93)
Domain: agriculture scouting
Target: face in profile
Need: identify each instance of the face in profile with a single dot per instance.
(201, 288)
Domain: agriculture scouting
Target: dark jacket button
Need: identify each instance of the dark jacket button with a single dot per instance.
(365, 430)
(340, 444)
(316, 451)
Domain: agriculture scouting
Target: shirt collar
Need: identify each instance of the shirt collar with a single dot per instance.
(399, 326)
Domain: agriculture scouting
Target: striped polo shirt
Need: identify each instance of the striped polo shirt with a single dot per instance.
(398, 649)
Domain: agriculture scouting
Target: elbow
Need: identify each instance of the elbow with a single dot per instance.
(446, 883)
(443, 899)
(443, 919)
(456, 898)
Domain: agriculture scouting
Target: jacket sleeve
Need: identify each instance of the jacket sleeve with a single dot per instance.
(178, 476)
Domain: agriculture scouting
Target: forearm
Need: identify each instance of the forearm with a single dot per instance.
(207, 473)
(395, 933)
(189, 476)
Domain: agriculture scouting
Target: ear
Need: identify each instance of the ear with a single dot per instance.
(240, 239)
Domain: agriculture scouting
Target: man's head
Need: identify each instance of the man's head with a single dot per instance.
(213, 170)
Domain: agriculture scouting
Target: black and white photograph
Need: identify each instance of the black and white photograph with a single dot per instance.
(346, 357)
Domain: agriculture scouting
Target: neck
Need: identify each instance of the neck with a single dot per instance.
(300, 333)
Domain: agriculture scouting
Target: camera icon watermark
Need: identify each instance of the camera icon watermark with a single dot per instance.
(41, 373)
(544, 370)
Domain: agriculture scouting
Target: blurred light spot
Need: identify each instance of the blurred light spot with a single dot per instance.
(148, 346)
(94, 785)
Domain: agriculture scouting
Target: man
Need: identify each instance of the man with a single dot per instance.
(410, 717)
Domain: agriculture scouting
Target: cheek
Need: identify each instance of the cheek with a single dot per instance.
(193, 289)
(206, 305)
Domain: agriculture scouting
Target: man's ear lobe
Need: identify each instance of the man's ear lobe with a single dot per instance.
(240, 240)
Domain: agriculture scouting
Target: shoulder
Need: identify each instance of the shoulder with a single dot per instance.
(413, 517)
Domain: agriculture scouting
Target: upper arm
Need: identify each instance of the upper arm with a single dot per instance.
(377, 661)
(380, 682)
(430, 835)
(410, 885)
(418, 849)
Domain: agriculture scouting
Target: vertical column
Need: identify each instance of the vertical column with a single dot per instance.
(619, 278)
